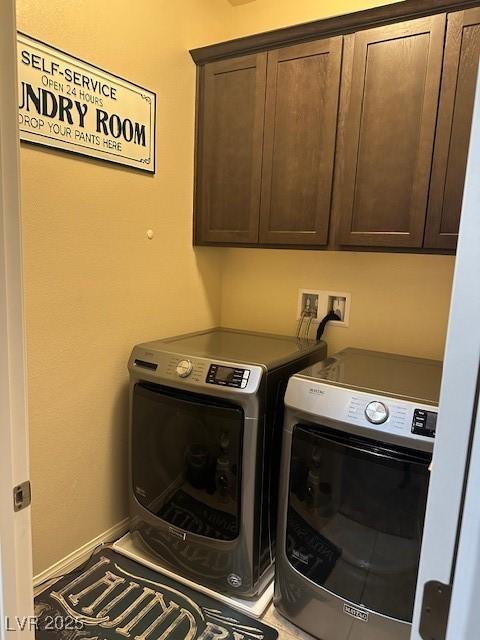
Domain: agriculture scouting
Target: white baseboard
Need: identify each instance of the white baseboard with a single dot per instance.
(78, 556)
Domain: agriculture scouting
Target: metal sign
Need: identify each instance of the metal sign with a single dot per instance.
(69, 104)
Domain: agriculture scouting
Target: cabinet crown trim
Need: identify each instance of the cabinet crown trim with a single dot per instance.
(336, 25)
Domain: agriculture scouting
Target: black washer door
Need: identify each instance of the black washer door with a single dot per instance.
(355, 518)
(186, 460)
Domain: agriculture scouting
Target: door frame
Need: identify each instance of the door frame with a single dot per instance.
(452, 500)
(16, 586)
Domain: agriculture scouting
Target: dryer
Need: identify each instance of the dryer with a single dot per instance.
(357, 447)
(205, 439)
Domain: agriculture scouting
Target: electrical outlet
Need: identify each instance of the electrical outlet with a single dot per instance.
(314, 305)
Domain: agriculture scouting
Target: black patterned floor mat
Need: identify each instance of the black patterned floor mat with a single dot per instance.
(113, 598)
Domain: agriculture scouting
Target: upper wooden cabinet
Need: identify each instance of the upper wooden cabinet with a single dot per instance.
(391, 78)
(284, 113)
(229, 150)
(343, 141)
(299, 142)
(457, 95)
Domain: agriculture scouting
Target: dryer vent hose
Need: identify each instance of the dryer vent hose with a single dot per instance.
(331, 315)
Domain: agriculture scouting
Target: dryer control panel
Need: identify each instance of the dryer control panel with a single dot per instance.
(424, 423)
(391, 415)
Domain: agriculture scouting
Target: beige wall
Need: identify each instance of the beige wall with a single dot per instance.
(254, 16)
(399, 302)
(95, 285)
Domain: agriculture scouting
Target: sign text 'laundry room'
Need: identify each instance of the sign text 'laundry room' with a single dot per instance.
(71, 105)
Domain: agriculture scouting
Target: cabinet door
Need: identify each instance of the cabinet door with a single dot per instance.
(453, 129)
(299, 143)
(392, 79)
(229, 160)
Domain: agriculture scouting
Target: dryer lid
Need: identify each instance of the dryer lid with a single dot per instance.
(387, 374)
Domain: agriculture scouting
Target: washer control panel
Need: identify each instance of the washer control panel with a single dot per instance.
(405, 422)
(184, 368)
(195, 372)
(228, 376)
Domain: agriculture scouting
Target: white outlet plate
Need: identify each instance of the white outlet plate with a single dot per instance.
(310, 300)
(329, 298)
(316, 304)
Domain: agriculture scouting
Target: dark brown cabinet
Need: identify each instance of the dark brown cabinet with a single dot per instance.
(392, 77)
(229, 150)
(457, 95)
(299, 142)
(339, 141)
(266, 146)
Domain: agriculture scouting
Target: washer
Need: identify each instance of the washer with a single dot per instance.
(205, 439)
(357, 449)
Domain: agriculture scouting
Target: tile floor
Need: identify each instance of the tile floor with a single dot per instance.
(286, 630)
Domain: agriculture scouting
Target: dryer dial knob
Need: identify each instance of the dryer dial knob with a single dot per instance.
(184, 368)
(376, 412)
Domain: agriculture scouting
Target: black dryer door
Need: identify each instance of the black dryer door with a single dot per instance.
(355, 518)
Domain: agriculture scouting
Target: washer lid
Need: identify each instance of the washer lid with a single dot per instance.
(387, 374)
(232, 345)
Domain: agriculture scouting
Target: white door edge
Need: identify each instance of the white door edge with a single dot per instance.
(16, 594)
(456, 417)
(464, 618)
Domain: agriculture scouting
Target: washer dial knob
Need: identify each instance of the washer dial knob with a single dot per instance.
(184, 368)
(376, 412)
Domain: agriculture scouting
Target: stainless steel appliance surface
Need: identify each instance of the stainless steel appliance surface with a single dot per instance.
(358, 438)
(206, 416)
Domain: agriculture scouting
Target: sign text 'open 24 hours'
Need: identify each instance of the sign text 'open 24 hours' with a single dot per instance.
(69, 104)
